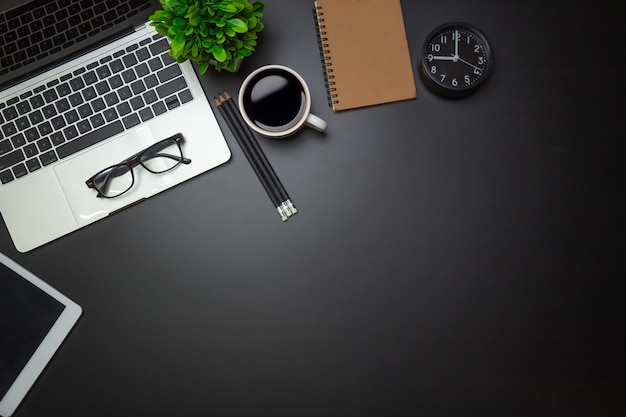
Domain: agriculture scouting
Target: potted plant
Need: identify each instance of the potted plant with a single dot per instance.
(210, 32)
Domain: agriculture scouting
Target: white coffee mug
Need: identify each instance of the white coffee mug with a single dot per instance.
(275, 101)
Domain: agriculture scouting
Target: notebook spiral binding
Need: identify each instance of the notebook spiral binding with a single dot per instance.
(327, 64)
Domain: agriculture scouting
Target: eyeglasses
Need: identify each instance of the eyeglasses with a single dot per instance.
(163, 156)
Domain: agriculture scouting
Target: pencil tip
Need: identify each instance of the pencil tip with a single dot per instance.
(226, 95)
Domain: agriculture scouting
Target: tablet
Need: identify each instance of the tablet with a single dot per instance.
(34, 320)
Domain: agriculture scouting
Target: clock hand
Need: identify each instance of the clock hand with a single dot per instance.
(456, 44)
(471, 65)
(444, 58)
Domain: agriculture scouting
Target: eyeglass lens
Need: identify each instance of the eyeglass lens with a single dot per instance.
(158, 158)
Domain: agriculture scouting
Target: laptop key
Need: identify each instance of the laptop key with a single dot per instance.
(83, 126)
(18, 140)
(146, 114)
(97, 120)
(44, 145)
(32, 134)
(89, 139)
(33, 164)
(11, 159)
(30, 150)
(23, 107)
(47, 158)
(10, 113)
(57, 138)
(172, 102)
(50, 96)
(37, 101)
(5, 146)
(19, 170)
(159, 108)
(185, 96)
(131, 120)
(22, 123)
(58, 122)
(168, 73)
(9, 129)
(171, 87)
(63, 89)
(6, 176)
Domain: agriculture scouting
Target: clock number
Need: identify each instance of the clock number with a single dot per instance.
(467, 79)
(430, 57)
(476, 48)
(433, 69)
(481, 60)
(444, 39)
(436, 47)
(454, 82)
(476, 71)
(443, 77)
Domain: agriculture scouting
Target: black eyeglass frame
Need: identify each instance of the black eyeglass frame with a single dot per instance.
(136, 160)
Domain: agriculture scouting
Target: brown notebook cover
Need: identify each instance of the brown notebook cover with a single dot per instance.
(365, 53)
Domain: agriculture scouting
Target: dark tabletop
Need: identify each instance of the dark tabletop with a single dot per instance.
(449, 258)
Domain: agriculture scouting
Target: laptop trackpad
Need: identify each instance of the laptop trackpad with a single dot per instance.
(73, 173)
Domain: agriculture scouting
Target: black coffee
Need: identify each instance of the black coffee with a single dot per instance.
(274, 100)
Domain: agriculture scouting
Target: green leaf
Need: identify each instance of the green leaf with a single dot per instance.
(203, 67)
(158, 16)
(176, 30)
(161, 29)
(219, 53)
(258, 6)
(252, 21)
(226, 7)
(238, 25)
(178, 44)
(244, 52)
(237, 44)
(232, 66)
(195, 19)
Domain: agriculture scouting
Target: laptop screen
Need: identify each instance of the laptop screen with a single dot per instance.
(38, 34)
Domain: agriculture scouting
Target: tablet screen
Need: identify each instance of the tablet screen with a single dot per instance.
(34, 320)
(28, 314)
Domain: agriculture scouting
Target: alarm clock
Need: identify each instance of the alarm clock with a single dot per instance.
(456, 59)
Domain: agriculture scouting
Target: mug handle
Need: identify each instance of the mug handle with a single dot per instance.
(316, 123)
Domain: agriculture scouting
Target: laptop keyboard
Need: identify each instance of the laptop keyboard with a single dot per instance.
(41, 28)
(93, 103)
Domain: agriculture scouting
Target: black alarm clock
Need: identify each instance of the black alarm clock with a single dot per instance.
(456, 59)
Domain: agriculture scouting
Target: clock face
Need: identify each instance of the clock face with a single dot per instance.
(456, 59)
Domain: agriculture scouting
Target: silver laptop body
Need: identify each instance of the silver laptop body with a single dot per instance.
(56, 115)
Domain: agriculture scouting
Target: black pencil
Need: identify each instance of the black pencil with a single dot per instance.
(257, 149)
(257, 169)
(249, 138)
(257, 159)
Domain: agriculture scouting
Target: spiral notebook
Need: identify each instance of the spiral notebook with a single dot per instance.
(365, 54)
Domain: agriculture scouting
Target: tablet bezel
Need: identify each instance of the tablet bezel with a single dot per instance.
(48, 346)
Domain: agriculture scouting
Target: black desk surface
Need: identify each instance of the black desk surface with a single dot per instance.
(450, 258)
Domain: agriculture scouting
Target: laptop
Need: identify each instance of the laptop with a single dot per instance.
(85, 85)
